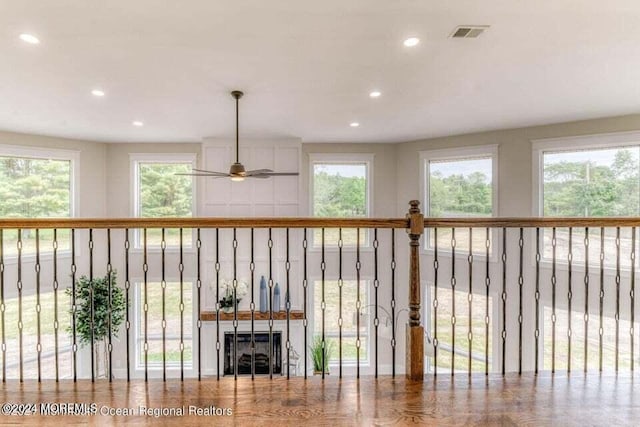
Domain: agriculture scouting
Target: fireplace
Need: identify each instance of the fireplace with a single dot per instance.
(261, 362)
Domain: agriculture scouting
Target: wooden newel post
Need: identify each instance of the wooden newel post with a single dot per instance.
(415, 332)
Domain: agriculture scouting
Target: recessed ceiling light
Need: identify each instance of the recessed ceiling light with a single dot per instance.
(97, 92)
(375, 94)
(29, 38)
(137, 123)
(354, 124)
(411, 41)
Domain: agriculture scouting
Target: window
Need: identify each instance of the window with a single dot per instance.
(341, 187)
(460, 183)
(480, 306)
(173, 318)
(160, 192)
(596, 176)
(36, 183)
(349, 318)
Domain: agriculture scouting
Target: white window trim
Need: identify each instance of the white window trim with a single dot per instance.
(569, 144)
(462, 153)
(343, 159)
(135, 159)
(73, 156)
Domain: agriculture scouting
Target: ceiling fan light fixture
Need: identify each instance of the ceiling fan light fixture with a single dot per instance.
(237, 172)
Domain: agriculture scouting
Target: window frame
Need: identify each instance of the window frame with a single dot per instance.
(452, 154)
(343, 159)
(135, 160)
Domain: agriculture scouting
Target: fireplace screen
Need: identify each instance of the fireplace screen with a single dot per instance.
(244, 356)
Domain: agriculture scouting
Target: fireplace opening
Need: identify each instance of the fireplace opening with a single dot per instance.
(244, 354)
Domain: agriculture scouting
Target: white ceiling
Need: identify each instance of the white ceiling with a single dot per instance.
(307, 67)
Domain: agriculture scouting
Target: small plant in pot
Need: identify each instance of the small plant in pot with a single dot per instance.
(317, 350)
(97, 290)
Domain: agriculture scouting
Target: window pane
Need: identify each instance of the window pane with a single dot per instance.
(34, 188)
(478, 328)
(460, 188)
(349, 319)
(163, 194)
(591, 183)
(340, 190)
(172, 316)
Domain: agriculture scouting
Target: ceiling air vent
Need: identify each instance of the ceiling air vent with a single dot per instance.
(468, 31)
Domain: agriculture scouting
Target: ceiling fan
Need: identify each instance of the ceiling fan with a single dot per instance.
(237, 171)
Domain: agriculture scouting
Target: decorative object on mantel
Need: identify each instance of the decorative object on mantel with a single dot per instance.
(316, 354)
(276, 298)
(226, 289)
(263, 295)
(237, 170)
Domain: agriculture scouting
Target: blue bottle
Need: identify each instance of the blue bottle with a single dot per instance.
(263, 295)
(276, 298)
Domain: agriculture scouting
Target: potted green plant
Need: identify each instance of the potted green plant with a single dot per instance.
(317, 350)
(97, 290)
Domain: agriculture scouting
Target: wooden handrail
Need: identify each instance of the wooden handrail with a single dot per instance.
(201, 222)
(528, 222)
(295, 222)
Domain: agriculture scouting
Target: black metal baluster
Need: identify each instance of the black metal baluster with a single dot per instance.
(340, 283)
(252, 267)
(504, 300)
(487, 284)
(520, 291)
(74, 308)
(19, 286)
(601, 329)
(127, 286)
(537, 298)
(304, 290)
(181, 271)
(92, 305)
(617, 318)
(56, 324)
(553, 300)
(163, 285)
(358, 304)
(38, 320)
(586, 297)
(145, 307)
(199, 286)
(110, 304)
(453, 300)
(569, 297)
(252, 306)
(393, 303)
(323, 306)
(217, 267)
(3, 309)
(287, 267)
(235, 304)
(632, 294)
(470, 299)
(435, 302)
(270, 244)
(376, 284)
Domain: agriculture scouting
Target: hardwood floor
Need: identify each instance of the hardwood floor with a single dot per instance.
(559, 400)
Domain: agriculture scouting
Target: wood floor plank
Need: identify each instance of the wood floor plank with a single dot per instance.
(510, 401)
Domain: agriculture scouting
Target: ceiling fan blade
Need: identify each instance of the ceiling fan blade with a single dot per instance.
(211, 172)
(204, 174)
(270, 174)
(258, 172)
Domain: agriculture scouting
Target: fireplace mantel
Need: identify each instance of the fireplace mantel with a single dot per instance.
(257, 315)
